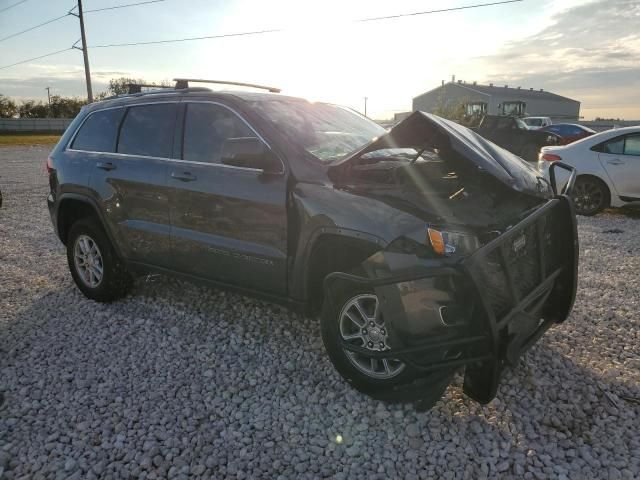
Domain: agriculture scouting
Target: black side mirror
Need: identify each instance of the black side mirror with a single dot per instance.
(249, 152)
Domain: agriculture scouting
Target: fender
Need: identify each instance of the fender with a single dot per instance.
(299, 287)
(94, 206)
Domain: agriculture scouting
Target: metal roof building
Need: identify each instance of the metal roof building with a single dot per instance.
(498, 100)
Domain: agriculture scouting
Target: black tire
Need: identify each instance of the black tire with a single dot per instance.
(590, 195)
(530, 152)
(332, 338)
(115, 281)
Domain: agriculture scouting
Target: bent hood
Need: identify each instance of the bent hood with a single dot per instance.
(422, 129)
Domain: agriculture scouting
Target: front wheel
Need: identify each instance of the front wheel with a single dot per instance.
(590, 195)
(358, 321)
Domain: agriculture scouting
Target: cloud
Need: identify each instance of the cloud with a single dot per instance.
(589, 52)
(34, 86)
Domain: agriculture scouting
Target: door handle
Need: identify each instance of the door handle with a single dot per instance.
(183, 176)
(106, 166)
(615, 161)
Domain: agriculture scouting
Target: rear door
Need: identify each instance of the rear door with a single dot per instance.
(227, 223)
(620, 157)
(131, 184)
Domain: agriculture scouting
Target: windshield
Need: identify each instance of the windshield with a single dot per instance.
(326, 131)
(521, 124)
(533, 122)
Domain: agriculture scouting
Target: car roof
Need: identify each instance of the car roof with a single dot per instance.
(565, 125)
(177, 94)
(598, 138)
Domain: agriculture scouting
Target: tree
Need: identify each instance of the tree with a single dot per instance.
(66, 107)
(8, 107)
(455, 111)
(119, 86)
(61, 107)
(33, 109)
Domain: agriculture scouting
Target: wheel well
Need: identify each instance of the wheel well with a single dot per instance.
(599, 180)
(69, 212)
(333, 253)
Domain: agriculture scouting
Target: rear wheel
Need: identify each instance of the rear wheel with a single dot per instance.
(358, 321)
(590, 195)
(95, 267)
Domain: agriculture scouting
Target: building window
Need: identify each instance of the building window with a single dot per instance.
(516, 108)
(476, 109)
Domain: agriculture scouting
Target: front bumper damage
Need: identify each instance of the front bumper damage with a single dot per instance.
(480, 312)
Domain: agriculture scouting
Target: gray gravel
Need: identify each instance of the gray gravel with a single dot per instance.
(179, 380)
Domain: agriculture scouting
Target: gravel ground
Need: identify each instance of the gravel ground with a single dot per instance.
(178, 380)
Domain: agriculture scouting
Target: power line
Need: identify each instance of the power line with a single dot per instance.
(278, 30)
(227, 35)
(442, 10)
(36, 58)
(70, 13)
(33, 28)
(11, 6)
(188, 39)
(122, 6)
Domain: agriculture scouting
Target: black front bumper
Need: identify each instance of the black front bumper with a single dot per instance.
(508, 293)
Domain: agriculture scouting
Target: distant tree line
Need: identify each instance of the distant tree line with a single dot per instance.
(62, 107)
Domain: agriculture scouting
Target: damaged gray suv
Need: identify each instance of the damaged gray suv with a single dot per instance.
(426, 249)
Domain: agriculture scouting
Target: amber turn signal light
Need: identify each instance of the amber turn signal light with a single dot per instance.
(437, 241)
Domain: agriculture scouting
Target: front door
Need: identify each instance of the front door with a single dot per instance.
(228, 224)
(620, 157)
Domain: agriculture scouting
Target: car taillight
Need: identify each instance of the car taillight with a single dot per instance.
(550, 157)
(49, 165)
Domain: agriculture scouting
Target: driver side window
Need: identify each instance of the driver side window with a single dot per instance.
(206, 127)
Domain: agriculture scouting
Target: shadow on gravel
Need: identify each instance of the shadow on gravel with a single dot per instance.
(211, 383)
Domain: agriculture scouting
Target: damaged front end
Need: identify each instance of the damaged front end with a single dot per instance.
(479, 310)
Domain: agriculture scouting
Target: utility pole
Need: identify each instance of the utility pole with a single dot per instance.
(87, 71)
(365, 105)
(49, 98)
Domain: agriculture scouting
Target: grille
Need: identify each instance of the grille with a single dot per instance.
(522, 259)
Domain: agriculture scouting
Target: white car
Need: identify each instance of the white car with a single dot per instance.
(607, 165)
(534, 123)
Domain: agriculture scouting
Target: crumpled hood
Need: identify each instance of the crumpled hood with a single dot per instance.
(420, 128)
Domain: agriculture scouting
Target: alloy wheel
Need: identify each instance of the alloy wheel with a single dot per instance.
(88, 261)
(362, 325)
(588, 197)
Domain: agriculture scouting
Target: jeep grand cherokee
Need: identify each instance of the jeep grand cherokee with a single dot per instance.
(426, 249)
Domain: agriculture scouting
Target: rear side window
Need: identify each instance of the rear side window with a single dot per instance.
(206, 127)
(98, 132)
(615, 146)
(632, 145)
(148, 130)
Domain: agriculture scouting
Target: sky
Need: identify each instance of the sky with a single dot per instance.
(588, 50)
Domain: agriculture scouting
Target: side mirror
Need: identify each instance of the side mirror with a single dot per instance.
(249, 152)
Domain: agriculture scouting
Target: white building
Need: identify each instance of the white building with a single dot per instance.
(499, 100)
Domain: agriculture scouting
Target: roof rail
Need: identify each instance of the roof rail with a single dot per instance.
(137, 87)
(184, 83)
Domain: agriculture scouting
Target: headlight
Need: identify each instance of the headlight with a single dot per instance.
(448, 243)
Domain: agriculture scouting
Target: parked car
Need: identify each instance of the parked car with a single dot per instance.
(513, 134)
(607, 165)
(424, 249)
(569, 132)
(534, 123)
